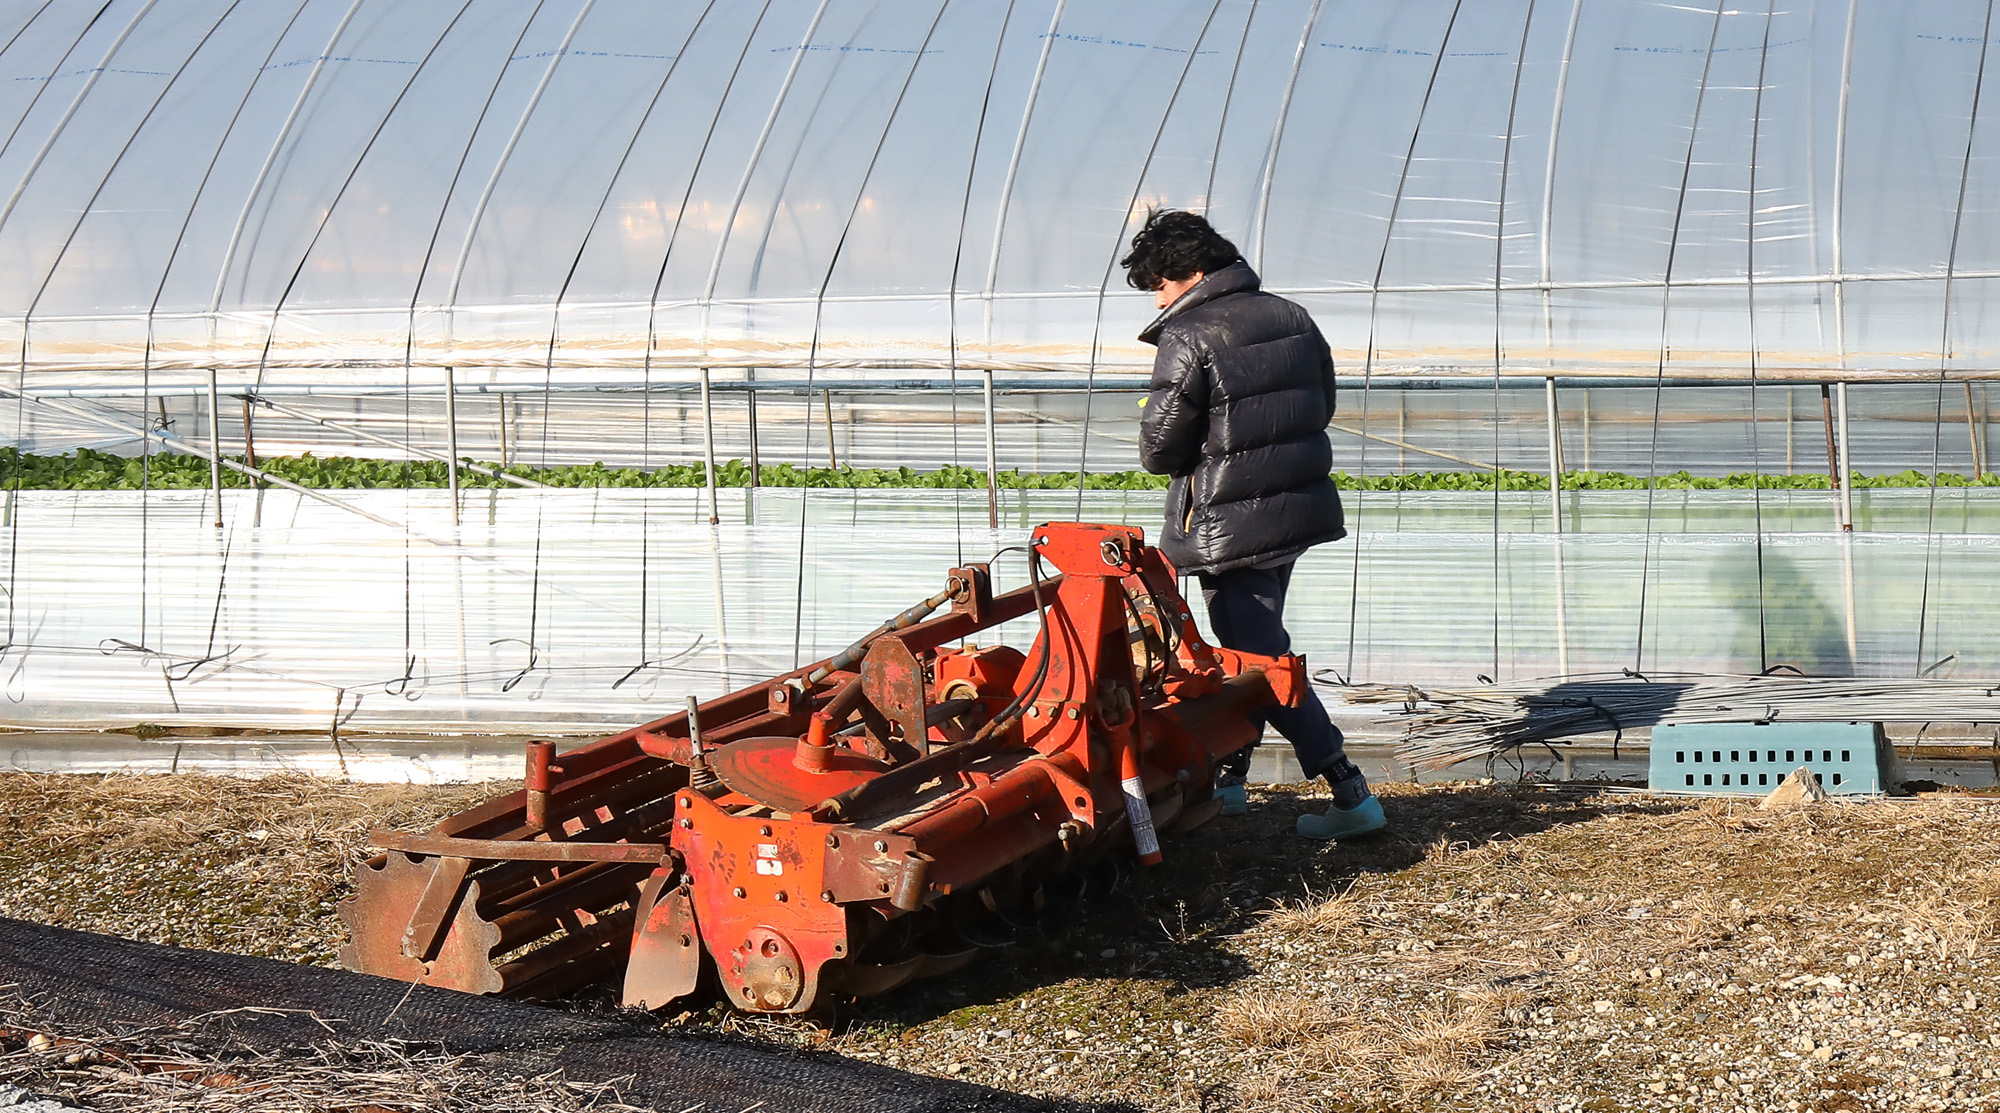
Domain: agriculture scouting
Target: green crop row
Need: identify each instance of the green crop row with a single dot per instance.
(87, 470)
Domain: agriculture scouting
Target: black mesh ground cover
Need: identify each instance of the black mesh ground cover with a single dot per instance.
(102, 982)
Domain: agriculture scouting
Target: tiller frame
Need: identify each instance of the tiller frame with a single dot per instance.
(850, 825)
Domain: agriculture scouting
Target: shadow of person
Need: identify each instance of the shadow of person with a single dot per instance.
(1782, 619)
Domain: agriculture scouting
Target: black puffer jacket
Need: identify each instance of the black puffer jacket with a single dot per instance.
(1242, 392)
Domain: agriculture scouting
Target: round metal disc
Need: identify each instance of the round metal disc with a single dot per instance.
(762, 769)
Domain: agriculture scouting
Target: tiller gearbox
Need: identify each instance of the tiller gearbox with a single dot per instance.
(846, 827)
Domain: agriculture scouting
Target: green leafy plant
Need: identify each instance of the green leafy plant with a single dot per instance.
(90, 470)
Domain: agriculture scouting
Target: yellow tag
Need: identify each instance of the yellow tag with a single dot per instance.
(1142, 400)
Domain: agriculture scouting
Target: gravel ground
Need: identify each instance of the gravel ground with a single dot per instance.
(1501, 948)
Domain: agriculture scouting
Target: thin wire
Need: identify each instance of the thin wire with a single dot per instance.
(159, 292)
(646, 393)
(30, 22)
(69, 240)
(416, 296)
(1750, 298)
(278, 307)
(957, 261)
(1049, 40)
(1117, 246)
(1944, 341)
(1499, 263)
(1262, 213)
(653, 306)
(548, 371)
(1374, 299)
(35, 163)
(353, 170)
(20, 402)
(819, 304)
(1666, 341)
(1222, 118)
(270, 160)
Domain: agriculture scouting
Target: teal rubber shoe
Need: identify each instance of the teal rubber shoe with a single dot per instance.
(1344, 823)
(1235, 799)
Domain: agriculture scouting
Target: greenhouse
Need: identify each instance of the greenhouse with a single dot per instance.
(1665, 333)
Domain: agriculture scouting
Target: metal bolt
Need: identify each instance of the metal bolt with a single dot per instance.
(686, 822)
(1074, 713)
(881, 847)
(764, 831)
(1034, 712)
(833, 842)
(827, 896)
(782, 898)
(740, 893)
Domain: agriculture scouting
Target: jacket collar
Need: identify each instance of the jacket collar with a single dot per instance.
(1235, 278)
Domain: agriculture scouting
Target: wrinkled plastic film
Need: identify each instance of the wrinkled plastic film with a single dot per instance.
(269, 189)
(317, 611)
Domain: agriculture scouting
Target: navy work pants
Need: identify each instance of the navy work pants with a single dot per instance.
(1246, 611)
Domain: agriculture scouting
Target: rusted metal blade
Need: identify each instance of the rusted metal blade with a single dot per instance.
(762, 769)
(666, 945)
(939, 965)
(387, 898)
(1196, 815)
(868, 979)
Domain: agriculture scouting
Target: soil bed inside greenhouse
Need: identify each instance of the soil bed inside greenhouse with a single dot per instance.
(1503, 947)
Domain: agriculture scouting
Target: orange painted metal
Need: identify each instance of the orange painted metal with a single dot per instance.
(867, 800)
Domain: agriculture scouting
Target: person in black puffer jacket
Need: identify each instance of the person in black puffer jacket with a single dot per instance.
(1236, 413)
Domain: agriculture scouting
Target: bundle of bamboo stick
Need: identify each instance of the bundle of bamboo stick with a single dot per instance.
(1444, 726)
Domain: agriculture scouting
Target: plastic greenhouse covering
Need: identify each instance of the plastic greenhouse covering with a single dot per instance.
(1543, 235)
(363, 186)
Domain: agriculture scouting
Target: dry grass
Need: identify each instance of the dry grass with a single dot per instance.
(185, 1070)
(1500, 949)
(253, 867)
(1377, 1052)
(1683, 932)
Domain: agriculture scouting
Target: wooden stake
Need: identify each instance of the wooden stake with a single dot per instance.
(826, 396)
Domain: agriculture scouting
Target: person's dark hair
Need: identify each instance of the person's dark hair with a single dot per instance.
(1172, 246)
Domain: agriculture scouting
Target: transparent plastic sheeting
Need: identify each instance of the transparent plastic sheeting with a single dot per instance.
(1614, 186)
(1707, 431)
(584, 610)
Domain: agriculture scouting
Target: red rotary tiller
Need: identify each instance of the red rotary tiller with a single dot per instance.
(841, 828)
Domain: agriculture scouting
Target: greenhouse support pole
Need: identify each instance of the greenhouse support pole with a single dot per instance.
(1846, 460)
(826, 399)
(1586, 428)
(215, 444)
(503, 430)
(1555, 516)
(1555, 455)
(249, 437)
(708, 446)
(1972, 435)
(450, 437)
(750, 402)
(1791, 457)
(992, 457)
(1402, 432)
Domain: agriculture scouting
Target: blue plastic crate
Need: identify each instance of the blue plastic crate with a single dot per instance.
(1850, 759)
